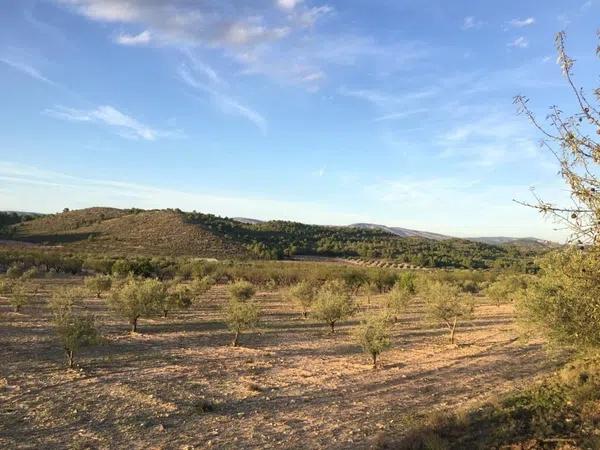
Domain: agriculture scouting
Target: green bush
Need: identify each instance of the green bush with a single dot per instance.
(138, 298)
(333, 303)
(374, 336)
(447, 304)
(98, 284)
(303, 294)
(241, 291)
(241, 313)
(74, 327)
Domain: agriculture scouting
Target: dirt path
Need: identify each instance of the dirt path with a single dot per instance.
(291, 384)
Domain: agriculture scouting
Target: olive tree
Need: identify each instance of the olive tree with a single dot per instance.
(241, 291)
(333, 303)
(400, 295)
(201, 286)
(303, 294)
(446, 303)
(138, 298)
(563, 302)
(506, 289)
(19, 296)
(98, 284)
(241, 313)
(178, 297)
(74, 326)
(374, 336)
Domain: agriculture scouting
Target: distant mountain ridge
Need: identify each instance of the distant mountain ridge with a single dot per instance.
(402, 232)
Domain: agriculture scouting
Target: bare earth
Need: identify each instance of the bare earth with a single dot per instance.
(291, 385)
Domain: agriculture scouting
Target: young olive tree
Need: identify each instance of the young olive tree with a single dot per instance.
(19, 296)
(303, 294)
(333, 303)
(201, 286)
(178, 297)
(401, 295)
(446, 303)
(138, 298)
(241, 313)
(98, 284)
(374, 336)
(241, 291)
(74, 327)
(506, 289)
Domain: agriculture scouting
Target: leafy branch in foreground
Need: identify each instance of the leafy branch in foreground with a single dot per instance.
(571, 139)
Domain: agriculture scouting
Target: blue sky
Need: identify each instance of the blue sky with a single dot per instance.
(332, 112)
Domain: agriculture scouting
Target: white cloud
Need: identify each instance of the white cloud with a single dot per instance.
(210, 83)
(520, 23)
(125, 125)
(520, 42)
(470, 22)
(142, 38)
(27, 70)
(288, 4)
(225, 22)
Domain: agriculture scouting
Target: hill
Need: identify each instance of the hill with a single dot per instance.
(126, 232)
(175, 233)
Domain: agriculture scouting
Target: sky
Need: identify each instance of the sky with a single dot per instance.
(397, 112)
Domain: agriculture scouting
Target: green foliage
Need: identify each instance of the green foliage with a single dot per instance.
(98, 284)
(241, 291)
(400, 295)
(201, 286)
(374, 336)
(446, 303)
(19, 296)
(564, 301)
(303, 294)
(333, 303)
(241, 315)
(506, 289)
(15, 271)
(138, 298)
(74, 327)
(178, 297)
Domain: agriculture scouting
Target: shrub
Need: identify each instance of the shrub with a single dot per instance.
(333, 303)
(201, 286)
(303, 294)
(374, 336)
(138, 298)
(178, 297)
(399, 297)
(563, 303)
(241, 291)
(98, 284)
(30, 273)
(74, 327)
(241, 315)
(508, 288)
(15, 271)
(446, 303)
(19, 296)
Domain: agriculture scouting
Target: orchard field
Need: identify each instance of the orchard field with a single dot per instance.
(178, 383)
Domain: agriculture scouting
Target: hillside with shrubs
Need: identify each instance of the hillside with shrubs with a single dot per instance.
(174, 233)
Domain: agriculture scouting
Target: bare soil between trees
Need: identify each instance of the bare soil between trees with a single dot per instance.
(291, 384)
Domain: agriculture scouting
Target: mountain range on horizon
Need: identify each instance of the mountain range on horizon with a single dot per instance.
(406, 232)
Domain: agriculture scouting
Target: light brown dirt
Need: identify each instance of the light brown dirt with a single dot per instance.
(291, 385)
